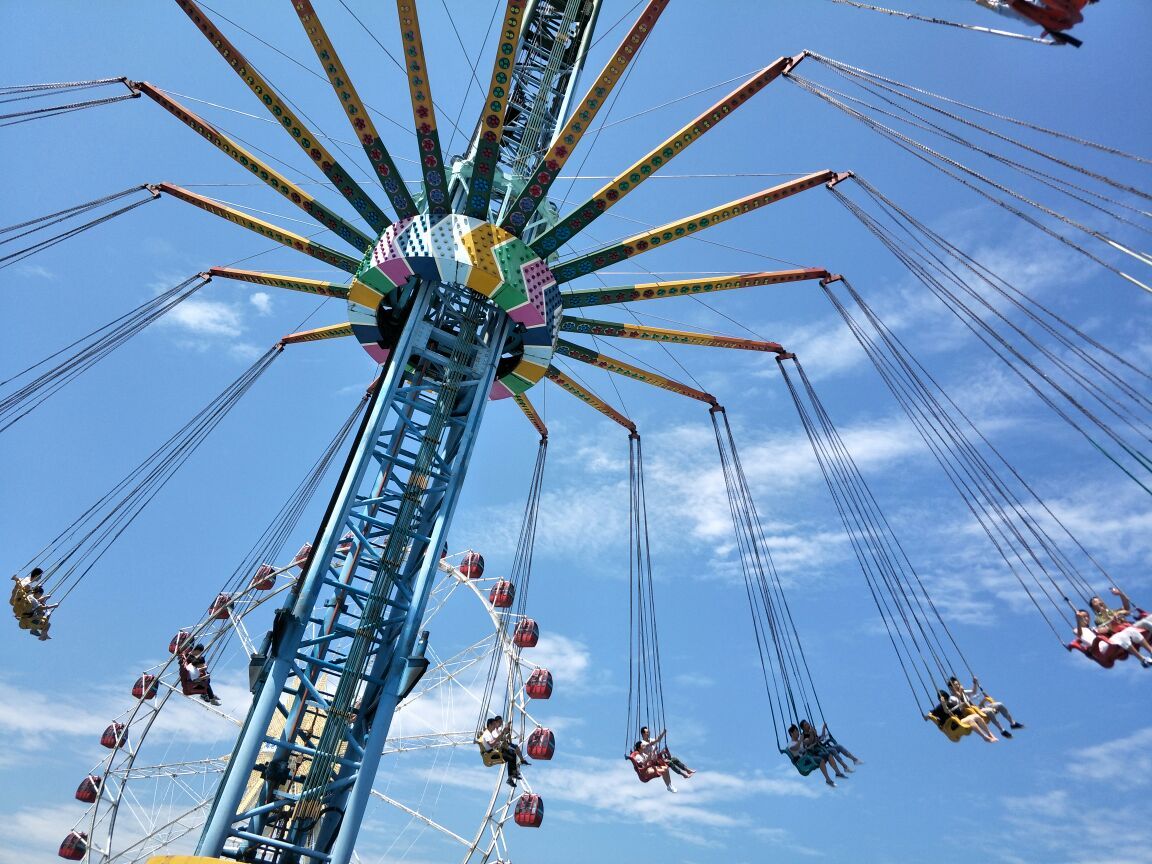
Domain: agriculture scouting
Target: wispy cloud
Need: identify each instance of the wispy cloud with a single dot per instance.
(585, 788)
(262, 301)
(36, 271)
(203, 317)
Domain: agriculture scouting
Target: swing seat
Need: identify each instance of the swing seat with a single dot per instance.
(805, 763)
(491, 758)
(1102, 651)
(954, 730)
(646, 770)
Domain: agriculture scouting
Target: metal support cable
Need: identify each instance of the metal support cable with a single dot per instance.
(1001, 511)
(1011, 356)
(894, 88)
(17, 117)
(934, 159)
(975, 28)
(99, 344)
(1083, 142)
(19, 255)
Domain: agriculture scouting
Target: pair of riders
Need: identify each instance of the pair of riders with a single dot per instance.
(651, 760)
(498, 739)
(30, 604)
(810, 750)
(959, 711)
(195, 679)
(1119, 627)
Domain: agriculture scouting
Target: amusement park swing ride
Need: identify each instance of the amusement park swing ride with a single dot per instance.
(462, 298)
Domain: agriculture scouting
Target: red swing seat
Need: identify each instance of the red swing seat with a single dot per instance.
(647, 769)
(1101, 650)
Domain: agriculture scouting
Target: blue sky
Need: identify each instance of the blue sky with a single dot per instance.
(1017, 801)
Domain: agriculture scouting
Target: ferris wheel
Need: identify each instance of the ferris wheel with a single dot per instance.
(168, 749)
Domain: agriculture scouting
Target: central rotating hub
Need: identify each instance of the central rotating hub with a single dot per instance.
(466, 251)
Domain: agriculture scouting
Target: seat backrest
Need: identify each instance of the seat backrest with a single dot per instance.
(805, 763)
(954, 729)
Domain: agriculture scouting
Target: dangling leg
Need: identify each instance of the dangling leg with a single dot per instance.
(512, 765)
(824, 771)
(843, 751)
(679, 767)
(1001, 708)
(974, 721)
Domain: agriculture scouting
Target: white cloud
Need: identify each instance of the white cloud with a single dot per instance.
(595, 789)
(244, 351)
(1129, 757)
(32, 835)
(262, 301)
(206, 318)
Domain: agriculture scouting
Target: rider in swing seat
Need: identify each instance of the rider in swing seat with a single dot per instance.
(496, 746)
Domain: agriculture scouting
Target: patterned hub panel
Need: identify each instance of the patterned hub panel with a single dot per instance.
(489, 260)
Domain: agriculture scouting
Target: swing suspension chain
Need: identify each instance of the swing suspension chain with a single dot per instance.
(1060, 185)
(987, 497)
(520, 576)
(976, 28)
(16, 117)
(97, 345)
(645, 678)
(1072, 339)
(55, 218)
(1022, 123)
(877, 537)
(271, 541)
(908, 663)
(900, 595)
(771, 590)
(857, 76)
(998, 344)
(71, 555)
(895, 547)
(789, 684)
(965, 477)
(929, 260)
(938, 161)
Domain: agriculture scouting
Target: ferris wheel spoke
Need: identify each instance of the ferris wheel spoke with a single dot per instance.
(423, 110)
(265, 229)
(639, 243)
(564, 143)
(660, 155)
(420, 817)
(362, 123)
(619, 367)
(273, 178)
(429, 741)
(199, 767)
(162, 835)
(287, 118)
